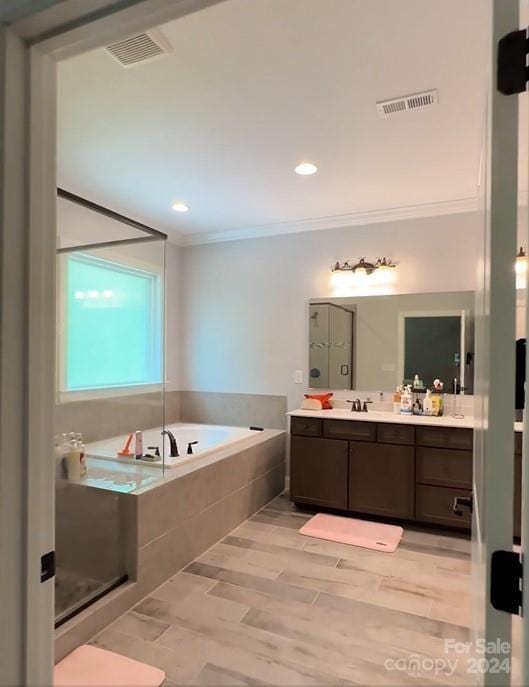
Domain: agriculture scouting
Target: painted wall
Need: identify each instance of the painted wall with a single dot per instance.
(244, 304)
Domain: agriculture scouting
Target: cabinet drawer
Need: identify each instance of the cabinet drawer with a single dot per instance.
(396, 434)
(319, 471)
(306, 426)
(444, 467)
(350, 429)
(445, 437)
(434, 505)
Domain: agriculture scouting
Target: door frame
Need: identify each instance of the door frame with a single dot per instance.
(30, 49)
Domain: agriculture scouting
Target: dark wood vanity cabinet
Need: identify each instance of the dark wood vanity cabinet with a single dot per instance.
(406, 472)
(318, 471)
(381, 479)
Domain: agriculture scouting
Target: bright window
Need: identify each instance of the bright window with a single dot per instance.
(112, 325)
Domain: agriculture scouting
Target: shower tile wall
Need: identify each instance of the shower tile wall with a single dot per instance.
(106, 417)
(102, 418)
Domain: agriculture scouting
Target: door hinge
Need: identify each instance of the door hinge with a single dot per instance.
(512, 70)
(47, 566)
(506, 570)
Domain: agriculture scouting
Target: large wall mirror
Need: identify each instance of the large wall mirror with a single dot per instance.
(374, 343)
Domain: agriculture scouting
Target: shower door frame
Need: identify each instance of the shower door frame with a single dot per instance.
(30, 48)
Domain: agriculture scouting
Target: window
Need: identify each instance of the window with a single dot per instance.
(111, 325)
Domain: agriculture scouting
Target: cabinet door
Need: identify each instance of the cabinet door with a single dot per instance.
(318, 471)
(381, 479)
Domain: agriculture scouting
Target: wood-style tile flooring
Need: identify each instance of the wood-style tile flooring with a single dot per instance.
(267, 606)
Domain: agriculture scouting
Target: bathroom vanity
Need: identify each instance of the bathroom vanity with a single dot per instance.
(389, 466)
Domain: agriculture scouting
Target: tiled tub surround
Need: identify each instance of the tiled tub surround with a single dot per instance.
(240, 410)
(168, 522)
(100, 418)
(107, 417)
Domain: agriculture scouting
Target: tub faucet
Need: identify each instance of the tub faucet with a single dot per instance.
(172, 443)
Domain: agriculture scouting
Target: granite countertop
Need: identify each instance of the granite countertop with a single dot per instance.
(466, 422)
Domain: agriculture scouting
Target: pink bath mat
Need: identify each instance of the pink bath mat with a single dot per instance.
(368, 535)
(89, 666)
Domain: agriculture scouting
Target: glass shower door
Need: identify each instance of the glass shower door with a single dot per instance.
(110, 410)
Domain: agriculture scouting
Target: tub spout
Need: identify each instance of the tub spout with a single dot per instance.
(172, 443)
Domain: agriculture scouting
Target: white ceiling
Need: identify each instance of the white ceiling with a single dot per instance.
(252, 88)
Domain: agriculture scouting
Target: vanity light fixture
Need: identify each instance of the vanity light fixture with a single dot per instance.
(363, 266)
(521, 268)
(180, 207)
(306, 169)
(521, 261)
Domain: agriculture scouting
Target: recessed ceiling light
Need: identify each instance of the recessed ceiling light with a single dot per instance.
(180, 207)
(306, 168)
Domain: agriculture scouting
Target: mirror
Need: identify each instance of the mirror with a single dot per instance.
(374, 343)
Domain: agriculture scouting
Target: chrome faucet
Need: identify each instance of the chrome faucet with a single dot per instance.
(172, 443)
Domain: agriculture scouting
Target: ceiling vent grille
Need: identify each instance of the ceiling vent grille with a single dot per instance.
(143, 47)
(417, 101)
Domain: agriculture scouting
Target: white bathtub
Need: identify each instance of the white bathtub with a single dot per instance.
(210, 438)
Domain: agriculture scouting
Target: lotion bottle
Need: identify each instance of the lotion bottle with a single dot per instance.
(427, 406)
(406, 401)
(139, 445)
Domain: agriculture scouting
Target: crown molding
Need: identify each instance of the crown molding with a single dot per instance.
(446, 207)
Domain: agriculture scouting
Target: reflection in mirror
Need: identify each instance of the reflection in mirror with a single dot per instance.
(331, 346)
(433, 344)
(371, 343)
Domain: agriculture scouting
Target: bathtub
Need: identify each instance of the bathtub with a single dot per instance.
(210, 438)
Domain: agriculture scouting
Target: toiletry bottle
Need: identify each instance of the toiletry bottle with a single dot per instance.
(396, 400)
(427, 403)
(72, 459)
(80, 444)
(416, 382)
(139, 445)
(406, 401)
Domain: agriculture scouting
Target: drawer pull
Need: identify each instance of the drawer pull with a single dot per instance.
(462, 503)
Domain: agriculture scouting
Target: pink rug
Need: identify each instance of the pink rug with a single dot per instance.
(89, 666)
(368, 535)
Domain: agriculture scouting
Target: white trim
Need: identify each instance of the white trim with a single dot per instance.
(108, 392)
(445, 207)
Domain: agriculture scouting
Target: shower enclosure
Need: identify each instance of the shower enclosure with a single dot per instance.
(110, 382)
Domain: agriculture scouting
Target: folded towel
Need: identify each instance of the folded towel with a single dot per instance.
(311, 404)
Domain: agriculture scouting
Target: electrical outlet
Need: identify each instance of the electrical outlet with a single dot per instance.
(298, 377)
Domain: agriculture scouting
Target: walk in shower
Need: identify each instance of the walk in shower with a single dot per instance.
(110, 381)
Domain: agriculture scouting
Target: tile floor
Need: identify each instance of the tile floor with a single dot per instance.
(268, 606)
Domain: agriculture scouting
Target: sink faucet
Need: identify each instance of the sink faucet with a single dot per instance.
(172, 443)
(356, 406)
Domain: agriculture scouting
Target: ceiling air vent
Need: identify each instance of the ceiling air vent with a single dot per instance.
(142, 47)
(417, 101)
